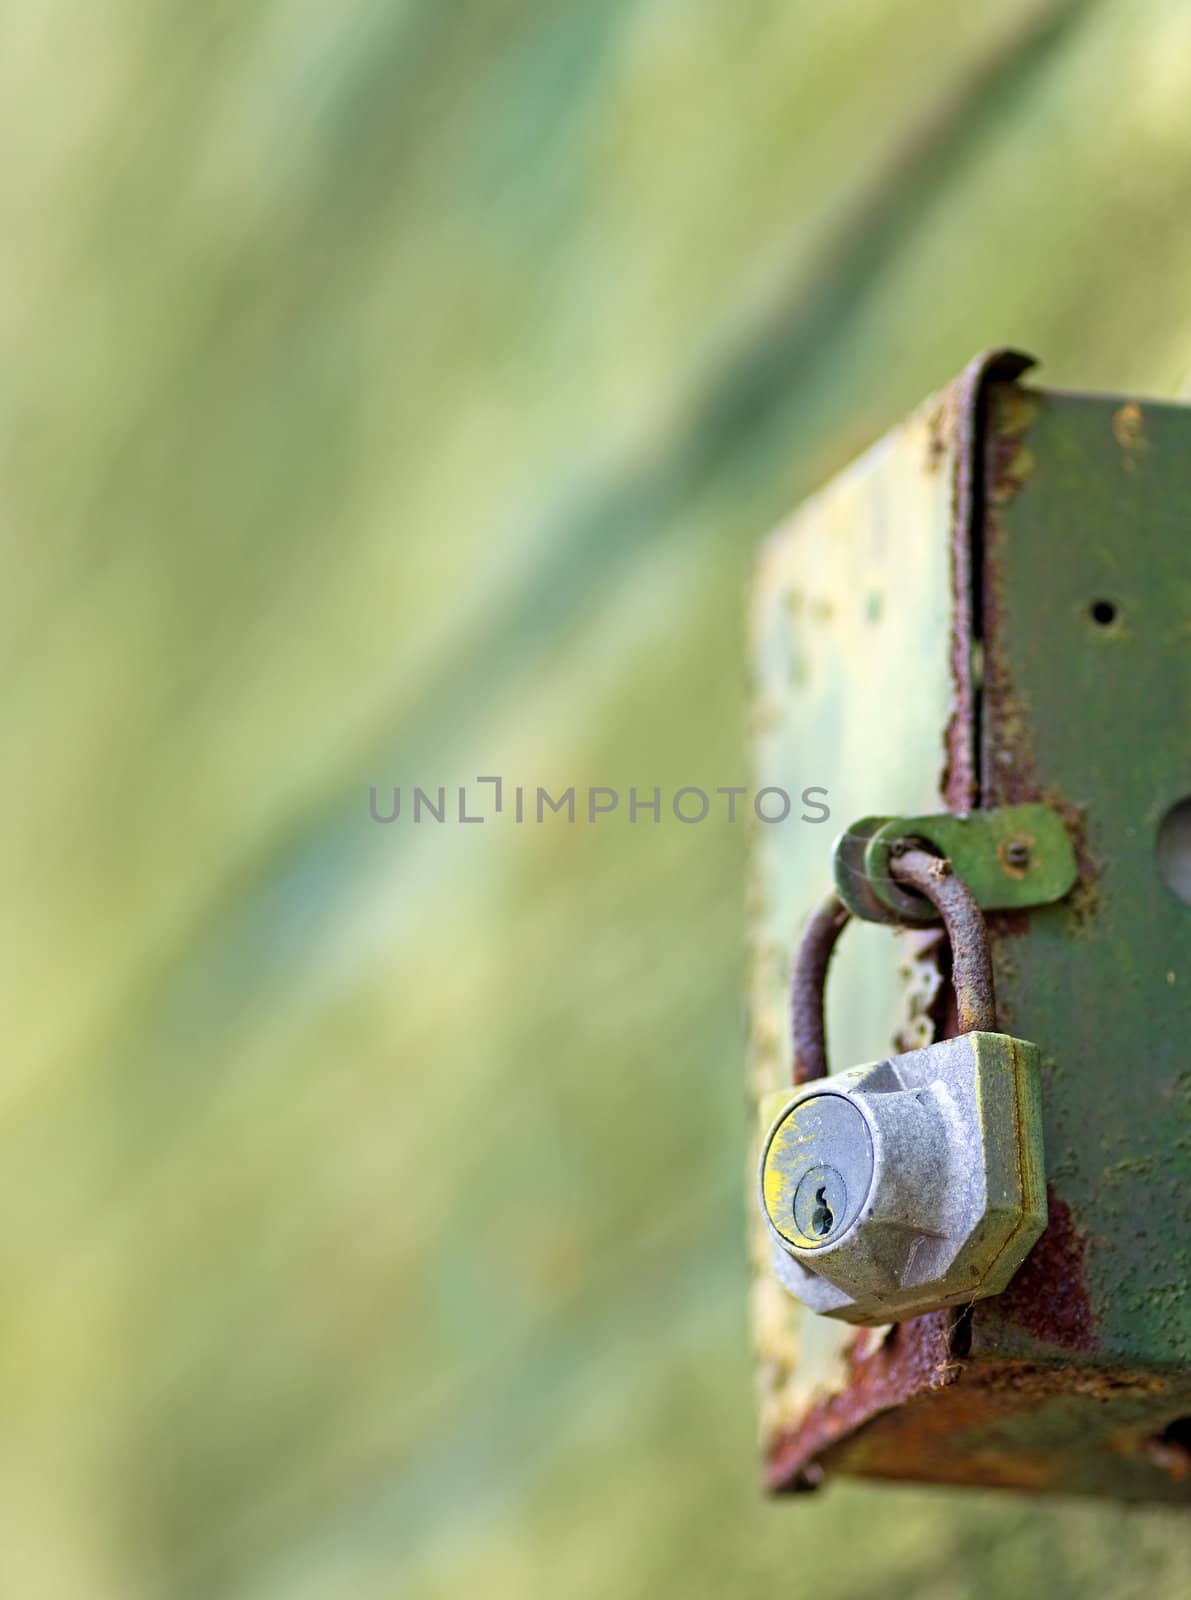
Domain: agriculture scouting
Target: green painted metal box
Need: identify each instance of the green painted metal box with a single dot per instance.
(993, 606)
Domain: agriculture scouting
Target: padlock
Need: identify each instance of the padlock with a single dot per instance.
(914, 1182)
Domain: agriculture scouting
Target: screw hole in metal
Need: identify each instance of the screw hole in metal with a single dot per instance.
(1015, 855)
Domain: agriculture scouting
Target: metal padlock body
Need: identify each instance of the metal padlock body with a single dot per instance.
(908, 1184)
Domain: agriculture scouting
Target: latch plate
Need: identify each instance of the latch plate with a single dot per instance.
(1011, 857)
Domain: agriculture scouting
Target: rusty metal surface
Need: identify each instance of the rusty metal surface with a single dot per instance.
(808, 1028)
(1107, 741)
(866, 572)
(971, 968)
(884, 1370)
(1072, 600)
(963, 414)
(967, 936)
(1011, 858)
(1021, 1425)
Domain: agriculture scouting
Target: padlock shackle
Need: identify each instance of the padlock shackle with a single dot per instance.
(971, 961)
(808, 983)
(967, 934)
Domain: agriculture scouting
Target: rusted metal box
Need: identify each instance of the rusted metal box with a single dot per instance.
(994, 606)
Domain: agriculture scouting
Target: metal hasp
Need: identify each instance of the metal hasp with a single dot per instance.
(992, 609)
(1011, 859)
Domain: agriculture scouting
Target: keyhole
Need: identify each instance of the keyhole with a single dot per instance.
(817, 1219)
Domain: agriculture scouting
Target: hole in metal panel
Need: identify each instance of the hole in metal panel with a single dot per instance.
(1174, 850)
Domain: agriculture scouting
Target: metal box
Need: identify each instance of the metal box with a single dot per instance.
(993, 606)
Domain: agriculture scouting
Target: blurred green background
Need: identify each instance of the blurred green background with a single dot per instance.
(397, 392)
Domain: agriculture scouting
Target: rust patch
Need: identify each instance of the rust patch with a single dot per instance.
(807, 986)
(963, 417)
(1007, 924)
(1048, 1297)
(1075, 819)
(1128, 429)
(971, 1433)
(937, 1439)
(1009, 773)
(906, 1373)
(1014, 854)
(967, 934)
(1009, 459)
(914, 1358)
